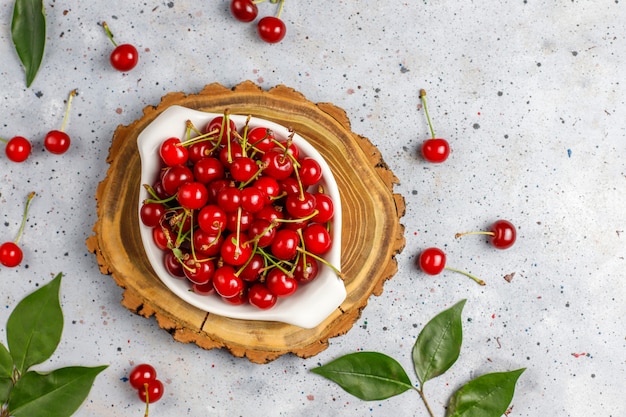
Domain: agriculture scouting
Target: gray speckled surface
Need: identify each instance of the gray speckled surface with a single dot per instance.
(530, 95)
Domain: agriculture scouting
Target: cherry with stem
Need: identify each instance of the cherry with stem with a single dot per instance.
(11, 254)
(125, 56)
(58, 141)
(272, 29)
(435, 149)
(432, 261)
(502, 234)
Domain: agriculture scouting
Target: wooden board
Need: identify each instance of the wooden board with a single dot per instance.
(372, 234)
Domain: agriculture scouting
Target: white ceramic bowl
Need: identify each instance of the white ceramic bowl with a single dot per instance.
(313, 302)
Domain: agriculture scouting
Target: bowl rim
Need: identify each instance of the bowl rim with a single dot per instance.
(314, 301)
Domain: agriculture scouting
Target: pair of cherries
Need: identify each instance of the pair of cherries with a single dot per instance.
(149, 388)
(502, 235)
(18, 148)
(270, 29)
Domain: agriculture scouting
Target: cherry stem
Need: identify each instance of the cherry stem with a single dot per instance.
(145, 387)
(3, 140)
(109, 34)
(467, 274)
(280, 9)
(458, 235)
(324, 261)
(28, 200)
(67, 109)
(423, 98)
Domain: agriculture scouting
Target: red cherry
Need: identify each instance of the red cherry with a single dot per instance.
(218, 125)
(502, 234)
(244, 10)
(300, 205)
(199, 272)
(17, 148)
(306, 269)
(325, 207)
(316, 239)
(235, 251)
(271, 29)
(208, 169)
(243, 169)
(192, 195)
(207, 244)
(252, 271)
(10, 254)
(173, 153)
(152, 392)
(173, 265)
(212, 219)
(310, 171)
(434, 150)
(161, 236)
(260, 297)
(280, 284)
(226, 282)
(261, 138)
(174, 177)
(151, 214)
(141, 374)
(57, 142)
(285, 244)
(124, 57)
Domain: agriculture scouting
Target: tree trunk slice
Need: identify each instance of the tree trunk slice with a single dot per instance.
(372, 235)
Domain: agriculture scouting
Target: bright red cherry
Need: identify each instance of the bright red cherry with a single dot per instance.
(57, 142)
(151, 392)
(11, 254)
(271, 29)
(260, 297)
(433, 260)
(124, 57)
(17, 148)
(141, 374)
(502, 234)
(244, 10)
(435, 149)
(173, 153)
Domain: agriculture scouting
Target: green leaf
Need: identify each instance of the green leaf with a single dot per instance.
(6, 362)
(439, 344)
(6, 373)
(34, 327)
(59, 392)
(28, 30)
(486, 396)
(367, 375)
(6, 384)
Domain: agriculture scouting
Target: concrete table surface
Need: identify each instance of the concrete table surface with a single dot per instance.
(530, 95)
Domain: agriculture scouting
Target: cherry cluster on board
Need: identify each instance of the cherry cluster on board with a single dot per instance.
(270, 29)
(239, 212)
(502, 233)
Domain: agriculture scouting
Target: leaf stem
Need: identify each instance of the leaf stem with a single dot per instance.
(420, 391)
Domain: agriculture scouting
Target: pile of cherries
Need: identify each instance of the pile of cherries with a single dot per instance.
(239, 212)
